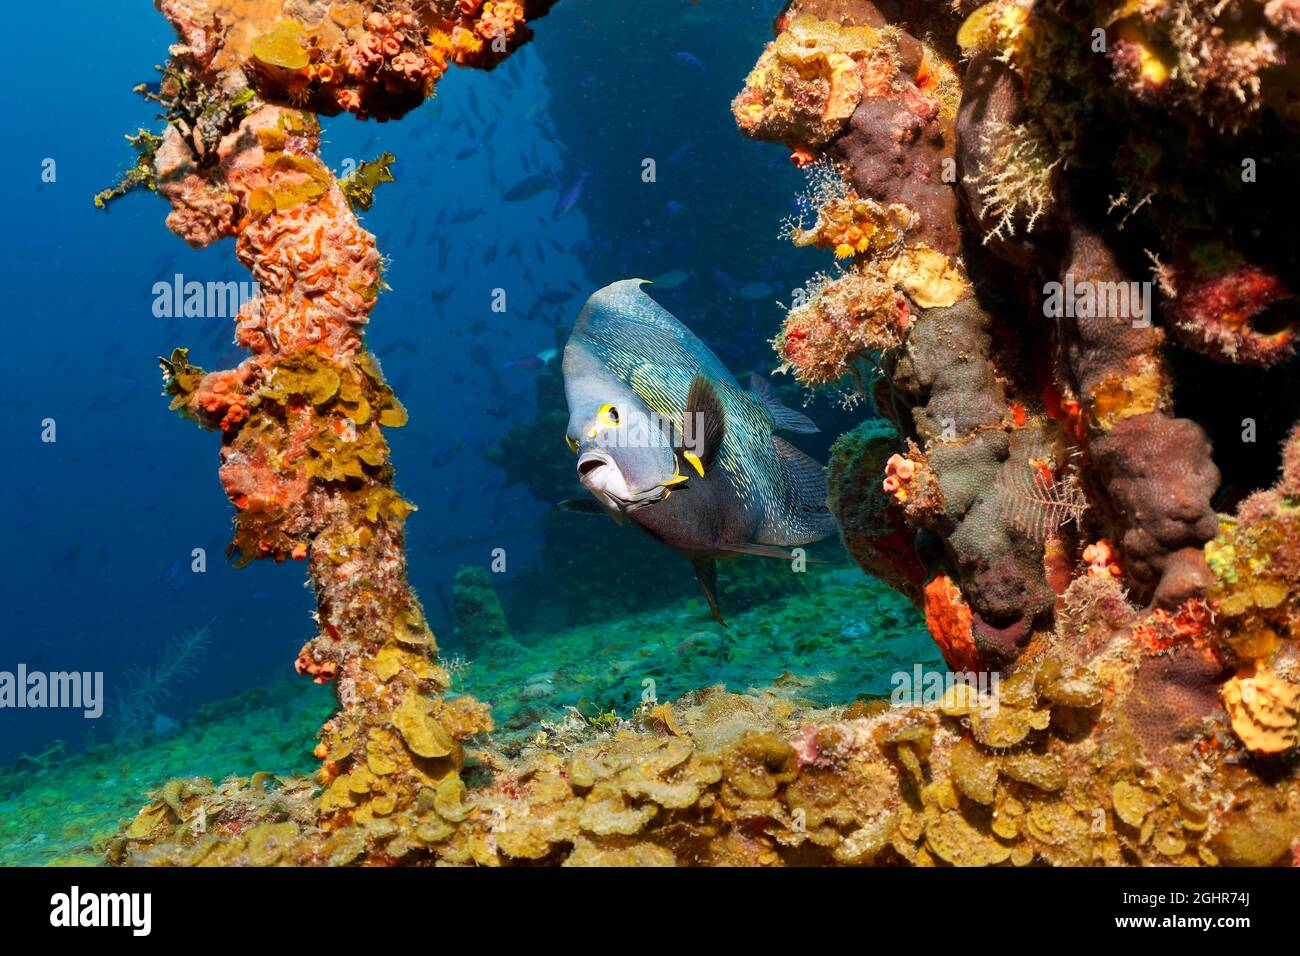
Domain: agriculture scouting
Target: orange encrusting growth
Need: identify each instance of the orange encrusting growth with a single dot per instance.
(948, 618)
(1191, 623)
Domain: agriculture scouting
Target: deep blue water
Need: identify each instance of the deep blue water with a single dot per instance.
(100, 525)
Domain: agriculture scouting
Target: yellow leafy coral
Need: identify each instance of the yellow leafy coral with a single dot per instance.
(1264, 709)
(1002, 27)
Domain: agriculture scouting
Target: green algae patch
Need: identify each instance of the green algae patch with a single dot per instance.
(180, 378)
(359, 185)
(141, 173)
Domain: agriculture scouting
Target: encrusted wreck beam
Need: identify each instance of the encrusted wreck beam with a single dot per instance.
(842, 84)
(304, 457)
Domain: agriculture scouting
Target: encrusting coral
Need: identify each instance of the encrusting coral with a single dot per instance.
(374, 60)
(304, 458)
(1125, 659)
(305, 462)
(1030, 451)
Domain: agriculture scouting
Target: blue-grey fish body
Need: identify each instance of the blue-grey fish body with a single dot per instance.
(667, 439)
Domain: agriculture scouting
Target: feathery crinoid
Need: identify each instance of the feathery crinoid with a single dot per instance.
(146, 688)
(1037, 506)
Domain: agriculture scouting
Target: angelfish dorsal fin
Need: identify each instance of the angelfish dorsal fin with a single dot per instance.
(783, 417)
(704, 425)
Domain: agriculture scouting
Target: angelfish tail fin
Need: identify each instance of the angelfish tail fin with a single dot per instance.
(706, 573)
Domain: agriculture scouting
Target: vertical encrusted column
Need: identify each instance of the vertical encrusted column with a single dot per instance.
(304, 457)
(1155, 476)
(872, 111)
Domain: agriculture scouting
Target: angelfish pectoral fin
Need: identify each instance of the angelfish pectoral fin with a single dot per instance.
(706, 573)
(674, 481)
(585, 506)
(677, 479)
(704, 425)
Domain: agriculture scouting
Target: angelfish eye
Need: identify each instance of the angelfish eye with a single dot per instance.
(608, 415)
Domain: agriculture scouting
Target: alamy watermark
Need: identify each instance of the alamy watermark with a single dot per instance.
(74, 908)
(1089, 300)
(74, 690)
(928, 687)
(191, 299)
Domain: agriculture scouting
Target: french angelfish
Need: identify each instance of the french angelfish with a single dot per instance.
(668, 440)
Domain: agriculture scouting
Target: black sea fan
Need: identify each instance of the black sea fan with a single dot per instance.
(1036, 506)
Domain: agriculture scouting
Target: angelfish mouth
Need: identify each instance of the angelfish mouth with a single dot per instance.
(602, 478)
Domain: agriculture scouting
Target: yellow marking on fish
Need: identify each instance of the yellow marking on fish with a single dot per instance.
(573, 445)
(694, 459)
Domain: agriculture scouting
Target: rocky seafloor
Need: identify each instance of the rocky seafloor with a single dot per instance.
(838, 639)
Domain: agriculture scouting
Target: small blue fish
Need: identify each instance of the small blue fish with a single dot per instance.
(755, 291)
(569, 198)
(529, 186)
(463, 215)
(670, 280)
(680, 153)
(540, 360)
(555, 296)
(68, 558)
(174, 577)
